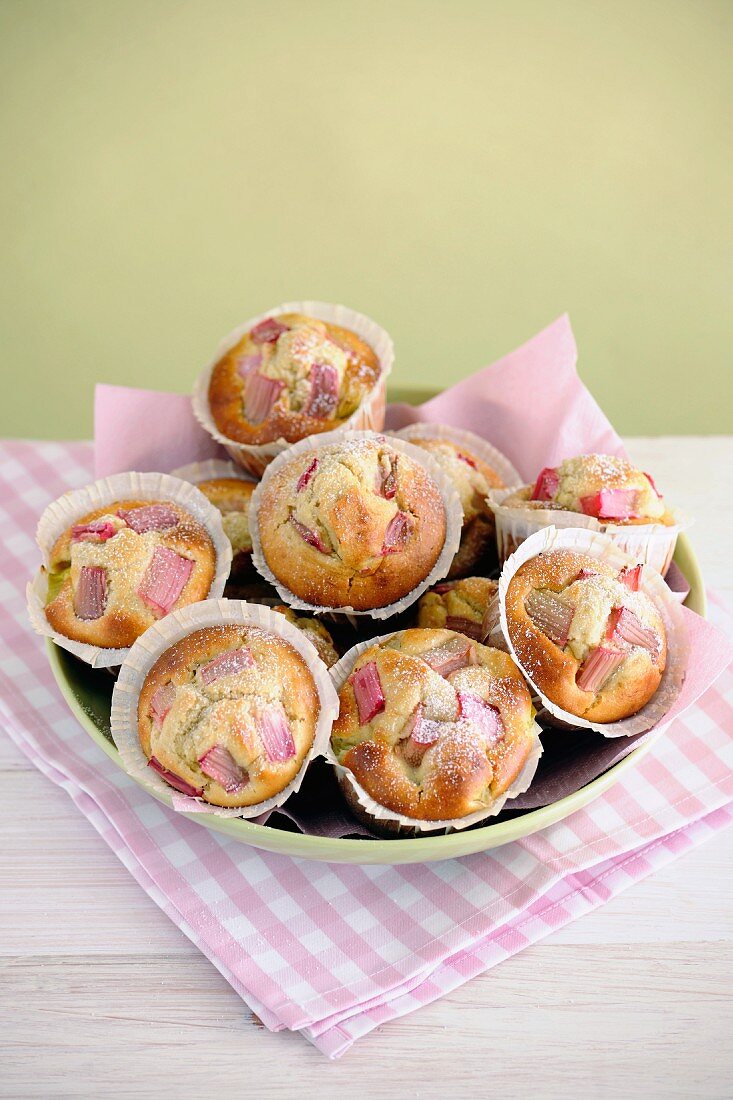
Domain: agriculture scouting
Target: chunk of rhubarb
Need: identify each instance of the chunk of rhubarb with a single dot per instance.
(219, 764)
(468, 460)
(174, 780)
(444, 586)
(386, 480)
(267, 331)
(226, 664)
(610, 504)
(151, 517)
(90, 597)
(397, 533)
(324, 393)
(418, 735)
(309, 536)
(367, 692)
(585, 573)
(260, 395)
(164, 580)
(306, 476)
(630, 575)
(650, 479)
(97, 531)
(546, 484)
(624, 625)
(247, 364)
(550, 615)
(452, 655)
(596, 669)
(275, 734)
(161, 702)
(486, 716)
(461, 625)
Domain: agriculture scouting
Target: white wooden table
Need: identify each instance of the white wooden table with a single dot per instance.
(100, 995)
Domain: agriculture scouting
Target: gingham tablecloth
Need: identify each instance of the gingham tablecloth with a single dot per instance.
(335, 950)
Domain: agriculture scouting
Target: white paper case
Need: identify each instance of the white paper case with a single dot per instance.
(145, 652)
(472, 443)
(598, 545)
(451, 503)
(211, 468)
(368, 416)
(65, 511)
(340, 674)
(650, 543)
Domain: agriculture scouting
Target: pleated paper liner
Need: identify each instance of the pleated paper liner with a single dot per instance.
(179, 624)
(650, 543)
(358, 799)
(453, 515)
(600, 546)
(69, 508)
(210, 469)
(369, 416)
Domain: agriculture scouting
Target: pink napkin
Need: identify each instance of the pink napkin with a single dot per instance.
(336, 950)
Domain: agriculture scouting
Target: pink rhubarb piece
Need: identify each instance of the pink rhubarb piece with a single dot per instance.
(486, 716)
(275, 734)
(597, 668)
(226, 664)
(174, 780)
(625, 625)
(90, 597)
(161, 702)
(546, 484)
(610, 504)
(260, 395)
(368, 692)
(550, 615)
(397, 533)
(164, 580)
(219, 764)
(308, 535)
(151, 517)
(449, 657)
(97, 531)
(306, 476)
(267, 331)
(324, 393)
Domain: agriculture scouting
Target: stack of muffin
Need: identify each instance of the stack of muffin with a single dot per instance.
(228, 702)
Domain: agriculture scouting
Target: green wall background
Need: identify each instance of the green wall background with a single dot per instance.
(463, 172)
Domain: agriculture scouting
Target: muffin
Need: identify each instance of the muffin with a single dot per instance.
(314, 631)
(607, 488)
(585, 634)
(458, 605)
(288, 377)
(433, 726)
(356, 523)
(228, 714)
(118, 569)
(232, 496)
(472, 478)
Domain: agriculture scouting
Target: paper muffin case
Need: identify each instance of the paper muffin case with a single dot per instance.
(339, 675)
(472, 443)
(130, 486)
(650, 543)
(212, 468)
(453, 524)
(165, 633)
(598, 545)
(369, 416)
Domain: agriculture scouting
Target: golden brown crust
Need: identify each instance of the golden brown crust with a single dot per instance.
(343, 504)
(446, 604)
(225, 712)
(554, 669)
(463, 771)
(125, 558)
(226, 390)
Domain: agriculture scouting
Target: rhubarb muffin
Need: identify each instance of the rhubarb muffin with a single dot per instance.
(608, 488)
(585, 634)
(120, 568)
(314, 631)
(228, 714)
(354, 524)
(433, 726)
(290, 376)
(458, 605)
(472, 478)
(232, 496)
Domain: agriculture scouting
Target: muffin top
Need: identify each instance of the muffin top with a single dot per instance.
(120, 568)
(609, 488)
(314, 631)
(471, 476)
(290, 376)
(585, 634)
(228, 714)
(354, 524)
(457, 605)
(231, 495)
(434, 726)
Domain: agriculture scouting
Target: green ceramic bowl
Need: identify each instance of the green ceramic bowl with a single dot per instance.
(88, 694)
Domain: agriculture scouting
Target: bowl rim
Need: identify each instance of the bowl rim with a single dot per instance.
(405, 850)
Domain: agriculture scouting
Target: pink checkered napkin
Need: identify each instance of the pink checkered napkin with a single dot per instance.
(337, 950)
